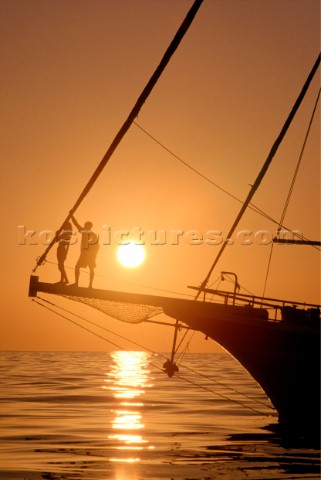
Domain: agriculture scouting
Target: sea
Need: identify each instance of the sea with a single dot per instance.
(117, 415)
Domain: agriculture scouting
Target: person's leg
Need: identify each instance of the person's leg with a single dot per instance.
(60, 268)
(91, 276)
(77, 273)
(64, 277)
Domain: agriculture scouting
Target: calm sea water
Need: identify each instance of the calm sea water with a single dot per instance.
(67, 415)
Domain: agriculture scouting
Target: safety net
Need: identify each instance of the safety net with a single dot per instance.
(126, 312)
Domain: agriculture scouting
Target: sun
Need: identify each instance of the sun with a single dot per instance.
(131, 255)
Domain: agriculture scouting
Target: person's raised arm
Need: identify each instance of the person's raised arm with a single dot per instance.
(74, 221)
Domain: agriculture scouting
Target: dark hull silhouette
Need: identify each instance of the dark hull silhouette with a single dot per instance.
(282, 356)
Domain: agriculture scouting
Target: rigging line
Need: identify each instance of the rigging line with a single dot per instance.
(130, 341)
(221, 395)
(263, 170)
(185, 163)
(228, 387)
(75, 323)
(291, 188)
(183, 338)
(92, 332)
(99, 326)
(133, 114)
(184, 351)
(107, 330)
(267, 271)
(218, 280)
(299, 160)
(251, 205)
(121, 348)
(165, 324)
(155, 353)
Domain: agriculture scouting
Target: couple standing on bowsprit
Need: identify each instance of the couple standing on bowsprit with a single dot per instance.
(88, 250)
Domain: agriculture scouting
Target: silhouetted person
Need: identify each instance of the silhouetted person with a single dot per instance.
(88, 250)
(63, 239)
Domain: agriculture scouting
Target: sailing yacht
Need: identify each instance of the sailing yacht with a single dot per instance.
(277, 341)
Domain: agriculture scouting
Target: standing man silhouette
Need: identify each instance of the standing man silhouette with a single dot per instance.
(63, 238)
(88, 250)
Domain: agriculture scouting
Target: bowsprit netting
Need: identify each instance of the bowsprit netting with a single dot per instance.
(126, 312)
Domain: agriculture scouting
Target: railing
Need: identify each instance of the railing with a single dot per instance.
(288, 310)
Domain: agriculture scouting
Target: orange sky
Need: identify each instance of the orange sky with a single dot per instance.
(71, 73)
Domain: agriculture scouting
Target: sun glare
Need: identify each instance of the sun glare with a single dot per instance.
(131, 255)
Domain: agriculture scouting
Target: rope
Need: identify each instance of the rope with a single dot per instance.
(229, 388)
(299, 161)
(291, 187)
(99, 326)
(263, 170)
(75, 323)
(133, 114)
(144, 348)
(180, 359)
(251, 206)
(182, 339)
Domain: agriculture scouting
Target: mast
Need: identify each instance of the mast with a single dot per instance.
(263, 171)
(133, 114)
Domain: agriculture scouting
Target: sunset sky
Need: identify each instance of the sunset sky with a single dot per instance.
(70, 74)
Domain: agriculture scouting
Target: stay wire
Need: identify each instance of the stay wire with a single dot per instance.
(152, 137)
(251, 205)
(267, 271)
(135, 343)
(258, 412)
(100, 326)
(263, 170)
(150, 351)
(229, 388)
(187, 344)
(75, 323)
(299, 160)
(287, 202)
(106, 329)
(180, 359)
(92, 332)
(182, 339)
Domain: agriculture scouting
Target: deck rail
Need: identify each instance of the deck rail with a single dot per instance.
(286, 308)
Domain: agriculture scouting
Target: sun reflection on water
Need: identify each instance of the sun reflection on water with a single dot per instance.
(128, 381)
